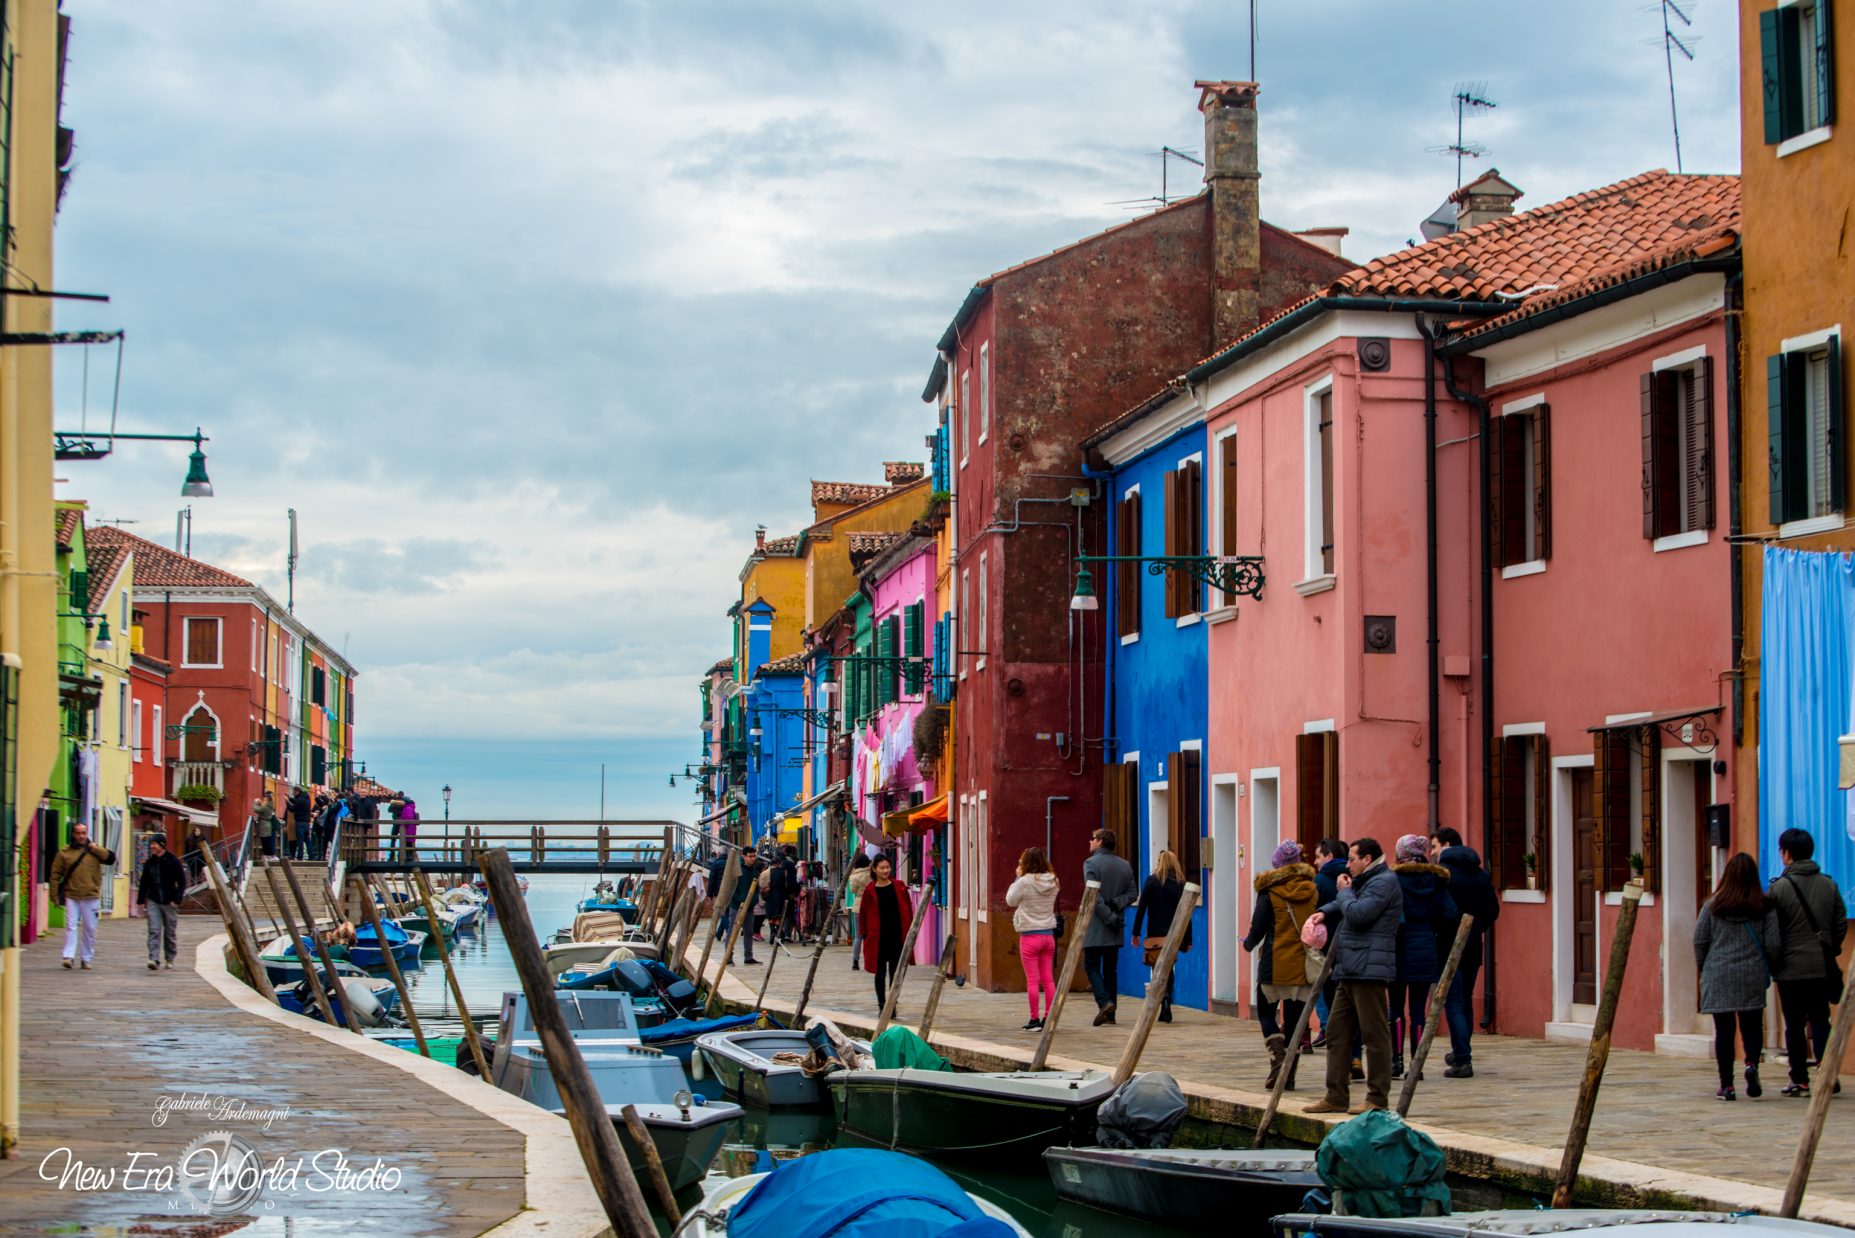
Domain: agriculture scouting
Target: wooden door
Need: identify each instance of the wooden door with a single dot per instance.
(1584, 889)
(199, 737)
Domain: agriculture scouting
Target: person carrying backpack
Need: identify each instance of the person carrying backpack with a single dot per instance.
(1812, 920)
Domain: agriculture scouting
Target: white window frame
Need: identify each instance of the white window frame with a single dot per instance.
(158, 739)
(1215, 539)
(981, 898)
(135, 728)
(984, 643)
(122, 714)
(966, 391)
(186, 641)
(1531, 567)
(966, 601)
(985, 390)
(1112, 581)
(1315, 577)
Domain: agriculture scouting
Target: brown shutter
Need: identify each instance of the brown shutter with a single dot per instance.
(1611, 785)
(1192, 518)
(1330, 783)
(1649, 523)
(1496, 492)
(1501, 859)
(202, 642)
(1698, 411)
(1185, 793)
(1651, 807)
(1175, 800)
(1170, 545)
(1511, 806)
(1542, 482)
(1310, 789)
(1600, 816)
(1542, 811)
(1227, 497)
(1661, 461)
(1111, 796)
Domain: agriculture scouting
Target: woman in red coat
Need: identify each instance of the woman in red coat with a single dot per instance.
(884, 913)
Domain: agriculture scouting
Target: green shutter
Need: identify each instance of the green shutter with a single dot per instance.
(1776, 375)
(911, 648)
(1823, 47)
(1837, 443)
(1771, 76)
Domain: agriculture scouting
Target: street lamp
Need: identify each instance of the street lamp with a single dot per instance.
(1084, 598)
(94, 445)
(446, 792)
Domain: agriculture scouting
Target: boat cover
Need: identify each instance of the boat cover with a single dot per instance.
(1379, 1167)
(1144, 1112)
(859, 1193)
(900, 1047)
(683, 1029)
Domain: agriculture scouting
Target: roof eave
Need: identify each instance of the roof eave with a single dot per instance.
(1310, 310)
(950, 339)
(1465, 343)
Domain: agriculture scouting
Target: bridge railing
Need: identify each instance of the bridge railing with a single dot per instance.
(580, 846)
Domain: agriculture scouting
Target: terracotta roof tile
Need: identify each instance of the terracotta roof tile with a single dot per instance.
(901, 472)
(70, 520)
(725, 665)
(786, 545)
(101, 562)
(157, 567)
(846, 492)
(869, 543)
(791, 665)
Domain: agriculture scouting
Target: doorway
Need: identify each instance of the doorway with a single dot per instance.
(1687, 882)
(1225, 883)
(1265, 834)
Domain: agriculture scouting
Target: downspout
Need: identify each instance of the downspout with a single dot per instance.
(1735, 518)
(1433, 693)
(1487, 661)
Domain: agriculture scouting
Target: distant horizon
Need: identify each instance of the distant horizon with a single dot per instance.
(548, 779)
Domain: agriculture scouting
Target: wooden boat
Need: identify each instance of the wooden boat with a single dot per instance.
(282, 964)
(1649, 1223)
(367, 951)
(742, 1062)
(1182, 1186)
(452, 920)
(1000, 1115)
(373, 1000)
(688, 1137)
(860, 1191)
(678, 1036)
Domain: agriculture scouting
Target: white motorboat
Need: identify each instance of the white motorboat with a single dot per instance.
(742, 1062)
(1000, 1115)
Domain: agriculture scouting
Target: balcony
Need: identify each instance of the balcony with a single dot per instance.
(197, 774)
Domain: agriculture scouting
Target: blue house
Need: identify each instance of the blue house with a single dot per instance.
(1156, 665)
(771, 700)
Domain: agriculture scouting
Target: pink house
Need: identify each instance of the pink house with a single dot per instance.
(1345, 446)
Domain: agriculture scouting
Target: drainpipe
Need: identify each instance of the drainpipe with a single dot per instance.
(1735, 518)
(1487, 659)
(1047, 802)
(1430, 569)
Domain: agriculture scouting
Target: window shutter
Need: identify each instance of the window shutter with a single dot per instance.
(1699, 410)
(1497, 493)
(1777, 381)
(911, 648)
(1542, 482)
(1651, 808)
(1227, 494)
(1837, 446)
(1190, 587)
(1185, 793)
(1504, 861)
(1649, 523)
(1511, 808)
(1310, 783)
(1611, 785)
(1127, 575)
(1542, 812)
(1825, 51)
(1771, 65)
(1600, 816)
(1175, 807)
(1171, 542)
(1330, 784)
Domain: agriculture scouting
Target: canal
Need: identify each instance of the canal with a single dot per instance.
(485, 972)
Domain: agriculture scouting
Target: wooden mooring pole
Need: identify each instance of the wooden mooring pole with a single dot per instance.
(772, 958)
(1287, 1072)
(328, 960)
(940, 982)
(1598, 1056)
(1156, 985)
(730, 874)
(1439, 994)
(605, 1159)
(901, 968)
(244, 940)
(1827, 1069)
(805, 994)
(653, 1163)
(296, 941)
(359, 892)
(1072, 958)
(727, 954)
(450, 973)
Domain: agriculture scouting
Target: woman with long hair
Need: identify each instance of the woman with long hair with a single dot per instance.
(1158, 902)
(884, 913)
(1286, 895)
(1735, 939)
(1033, 900)
(853, 894)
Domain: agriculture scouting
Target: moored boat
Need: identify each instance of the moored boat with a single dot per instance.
(678, 1036)
(367, 950)
(372, 1000)
(283, 964)
(1001, 1115)
(1649, 1223)
(1182, 1186)
(688, 1136)
(742, 1062)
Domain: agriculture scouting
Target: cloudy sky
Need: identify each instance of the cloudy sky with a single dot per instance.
(533, 310)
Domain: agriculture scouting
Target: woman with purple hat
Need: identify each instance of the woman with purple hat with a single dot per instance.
(1285, 897)
(1428, 911)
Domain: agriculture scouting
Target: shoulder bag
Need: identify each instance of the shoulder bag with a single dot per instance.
(1832, 963)
(1315, 959)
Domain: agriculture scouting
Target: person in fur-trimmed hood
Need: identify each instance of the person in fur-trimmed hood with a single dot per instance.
(1428, 913)
(1285, 897)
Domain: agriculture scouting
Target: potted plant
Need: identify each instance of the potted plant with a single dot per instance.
(1532, 863)
(199, 793)
(1636, 863)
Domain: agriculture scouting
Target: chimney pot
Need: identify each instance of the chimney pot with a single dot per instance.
(1327, 238)
(1232, 172)
(1487, 197)
(760, 539)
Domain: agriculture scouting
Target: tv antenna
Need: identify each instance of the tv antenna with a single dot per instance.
(1165, 156)
(1672, 43)
(1466, 98)
(290, 605)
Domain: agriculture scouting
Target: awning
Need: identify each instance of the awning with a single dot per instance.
(930, 814)
(789, 830)
(718, 815)
(836, 788)
(152, 804)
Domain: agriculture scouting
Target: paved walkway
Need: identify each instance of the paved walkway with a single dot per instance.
(110, 1058)
(1658, 1136)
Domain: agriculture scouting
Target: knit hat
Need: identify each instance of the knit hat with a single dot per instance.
(1288, 853)
(1413, 849)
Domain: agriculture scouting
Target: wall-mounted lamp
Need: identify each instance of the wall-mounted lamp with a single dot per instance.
(1084, 597)
(94, 445)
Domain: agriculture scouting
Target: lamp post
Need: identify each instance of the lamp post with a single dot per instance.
(94, 445)
(446, 792)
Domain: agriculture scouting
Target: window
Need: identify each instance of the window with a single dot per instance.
(135, 728)
(1127, 575)
(318, 765)
(1520, 484)
(966, 605)
(1184, 823)
(127, 620)
(199, 739)
(1120, 790)
(1520, 776)
(1798, 69)
(256, 666)
(966, 392)
(913, 617)
(1226, 464)
(1628, 807)
(1804, 404)
(1317, 788)
(1677, 454)
(157, 738)
(318, 686)
(1318, 461)
(985, 389)
(984, 645)
(202, 642)
(1184, 534)
(122, 715)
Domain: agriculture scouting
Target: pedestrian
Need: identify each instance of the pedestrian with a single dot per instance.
(393, 807)
(1474, 895)
(409, 830)
(77, 885)
(1811, 922)
(1157, 904)
(1101, 939)
(163, 884)
(853, 894)
(196, 859)
(885, 912)
(1362, 922)
(1428, 910)
(1329, 863)
(698, 891)
(322, 826)
(1032, 896)
(300, 823)
(741, 903)
(777, 882)
(1735, 938)
(1286, 898)
(264, 822)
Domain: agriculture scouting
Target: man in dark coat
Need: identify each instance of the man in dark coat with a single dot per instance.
(163, 884)
(300, 820)
(1812, 920)
(1329, 863)
(741, 902)
(1101, 941)
(1474, 895)
(1362, 922)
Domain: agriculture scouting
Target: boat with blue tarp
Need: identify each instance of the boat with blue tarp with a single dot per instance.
(366, 950)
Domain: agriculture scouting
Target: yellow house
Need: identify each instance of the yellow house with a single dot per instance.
(111, 578)
(31, 73)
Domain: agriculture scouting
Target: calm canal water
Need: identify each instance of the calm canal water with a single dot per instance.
(485, 972)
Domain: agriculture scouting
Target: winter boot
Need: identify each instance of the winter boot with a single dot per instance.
(1278, 1049)
(1165, 1010)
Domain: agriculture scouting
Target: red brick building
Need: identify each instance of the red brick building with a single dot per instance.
(1038, 357)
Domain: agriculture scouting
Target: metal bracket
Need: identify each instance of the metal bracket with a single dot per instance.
(1232, 575)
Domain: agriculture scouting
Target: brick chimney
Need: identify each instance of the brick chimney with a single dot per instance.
(760, 539)
(1488, 196)
(1232, 172)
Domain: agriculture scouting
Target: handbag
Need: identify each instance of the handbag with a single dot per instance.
(1832, 963)
(1152, 946)
(1314, 956)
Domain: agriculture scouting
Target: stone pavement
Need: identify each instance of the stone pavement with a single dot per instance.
(1658, 1135)
(104, 1053)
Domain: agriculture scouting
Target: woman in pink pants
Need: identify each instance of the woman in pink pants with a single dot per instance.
(1033, 898)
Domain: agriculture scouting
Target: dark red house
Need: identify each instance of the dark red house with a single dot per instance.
(1038, 357)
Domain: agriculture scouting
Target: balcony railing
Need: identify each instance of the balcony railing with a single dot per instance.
(199, 774)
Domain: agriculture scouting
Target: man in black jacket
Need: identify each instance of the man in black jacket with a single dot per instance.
(1812, 920)
(1474, 895)
(163, 884)
(300, 813)
(1362, 923)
